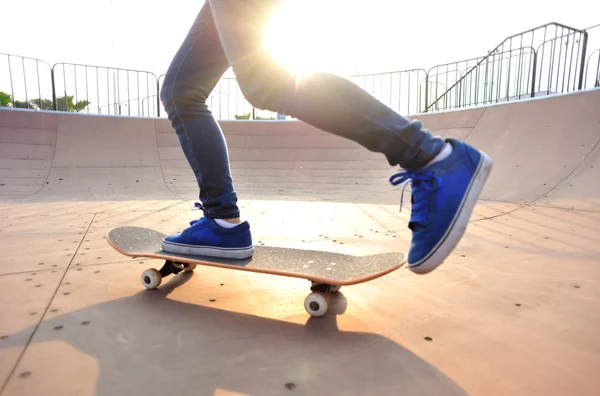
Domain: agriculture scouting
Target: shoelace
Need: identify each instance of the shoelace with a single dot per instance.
(423, 183)
(200, 207)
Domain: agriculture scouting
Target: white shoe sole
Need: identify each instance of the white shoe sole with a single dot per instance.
(209, 251)
(457, 228)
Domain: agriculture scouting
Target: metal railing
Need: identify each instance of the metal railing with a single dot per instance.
(24, 81)
(592, 64)
(551, 56)
(548, 59)
(499, 76)
(112, 90)
(404, 91)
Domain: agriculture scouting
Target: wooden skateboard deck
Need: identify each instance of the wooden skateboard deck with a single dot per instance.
(328, 271)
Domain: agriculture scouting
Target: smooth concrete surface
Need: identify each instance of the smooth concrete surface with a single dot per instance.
(515, 310)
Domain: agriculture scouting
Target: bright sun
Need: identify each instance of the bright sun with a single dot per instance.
(311, 35)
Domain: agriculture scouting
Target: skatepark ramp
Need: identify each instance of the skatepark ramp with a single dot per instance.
(545, 152)
(514, 310)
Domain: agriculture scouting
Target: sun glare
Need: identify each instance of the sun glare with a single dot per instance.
(309, 36)
(336, 36)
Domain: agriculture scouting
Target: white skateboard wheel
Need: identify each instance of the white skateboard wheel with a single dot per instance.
(151, 278)
(315, 304)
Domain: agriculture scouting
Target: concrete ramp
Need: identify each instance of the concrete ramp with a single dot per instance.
(514, 310)
(537, 145)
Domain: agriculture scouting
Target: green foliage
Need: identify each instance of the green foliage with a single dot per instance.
(247, 117)
(242, 117)
(5, 99)
(19, 104)
(64, 103)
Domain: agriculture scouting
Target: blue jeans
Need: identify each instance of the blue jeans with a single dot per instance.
(228, 33)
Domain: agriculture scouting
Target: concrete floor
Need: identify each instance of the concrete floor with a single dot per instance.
(514, 310)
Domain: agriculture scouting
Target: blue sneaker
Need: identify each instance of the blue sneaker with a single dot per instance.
(443, 197)
(205, 237)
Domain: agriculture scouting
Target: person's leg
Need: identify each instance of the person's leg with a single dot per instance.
(326, 101)
(446, 176)
(194, 72)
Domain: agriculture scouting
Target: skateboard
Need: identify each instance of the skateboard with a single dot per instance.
(327, 271)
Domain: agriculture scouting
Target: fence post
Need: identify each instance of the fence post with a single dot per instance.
(157, 97)
(534, 75)
(583, 53)
(53, 83)
(426, 92)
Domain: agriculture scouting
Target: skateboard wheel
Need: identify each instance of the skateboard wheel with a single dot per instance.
(151, 278)
(315, 304)
(189, 267)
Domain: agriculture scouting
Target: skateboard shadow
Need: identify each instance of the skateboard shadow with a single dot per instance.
(149, 344)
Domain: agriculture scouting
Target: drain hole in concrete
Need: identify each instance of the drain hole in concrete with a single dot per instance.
(54, 310)
(38, 285)
(66, 294)
(96, 272)
(212, 300)
(58, 327)
(85, 323)
(222, 284)
(517, 305)
(290, 385)
(428, 339)
(33, 314)
(576, 286)
(25, 374)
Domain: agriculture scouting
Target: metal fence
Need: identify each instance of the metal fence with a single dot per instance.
(546, 60)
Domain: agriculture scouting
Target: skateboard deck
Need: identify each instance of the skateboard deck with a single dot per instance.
(327, 271)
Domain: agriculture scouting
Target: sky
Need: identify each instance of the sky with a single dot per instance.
(373, 36)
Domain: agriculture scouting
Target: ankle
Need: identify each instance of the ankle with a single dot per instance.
(229, 223)
(442, 155)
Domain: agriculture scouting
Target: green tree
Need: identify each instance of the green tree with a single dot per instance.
(19, 104)
(64, 103)
(5, 99)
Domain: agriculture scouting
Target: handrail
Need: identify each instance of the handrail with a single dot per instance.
(467, 82)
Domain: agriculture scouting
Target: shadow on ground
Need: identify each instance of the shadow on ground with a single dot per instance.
(152, 345)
